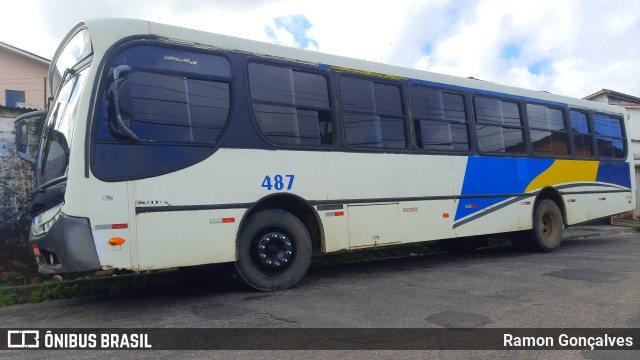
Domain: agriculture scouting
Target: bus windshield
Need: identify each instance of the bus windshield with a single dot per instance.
(57, 134)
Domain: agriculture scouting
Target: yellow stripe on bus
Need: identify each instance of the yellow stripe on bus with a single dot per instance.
(565, 171)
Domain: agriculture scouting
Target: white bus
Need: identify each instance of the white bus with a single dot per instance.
(166, 147)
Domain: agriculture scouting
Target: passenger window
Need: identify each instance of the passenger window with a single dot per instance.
(582, 138)
(609, 137)
(291, 107)
(168, 105)
(171, 108)
(549, 135)
(499, 126)
(440, 120)
(373, 114)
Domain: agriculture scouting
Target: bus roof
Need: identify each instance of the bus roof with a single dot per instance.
(107, 31)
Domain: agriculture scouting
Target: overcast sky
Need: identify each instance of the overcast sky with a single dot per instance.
(568, 47)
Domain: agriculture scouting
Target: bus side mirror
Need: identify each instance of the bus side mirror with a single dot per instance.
(22, 134)
(122, 103)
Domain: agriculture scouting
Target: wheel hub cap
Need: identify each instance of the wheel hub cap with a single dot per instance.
(275, 251)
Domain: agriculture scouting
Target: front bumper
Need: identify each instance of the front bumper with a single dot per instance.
(67, 247)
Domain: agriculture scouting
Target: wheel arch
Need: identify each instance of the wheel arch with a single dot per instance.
(295, 205)
(550, 193)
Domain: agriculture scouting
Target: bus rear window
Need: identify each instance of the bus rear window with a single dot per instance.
(609, 137)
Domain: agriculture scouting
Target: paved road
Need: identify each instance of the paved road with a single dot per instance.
(592, 282)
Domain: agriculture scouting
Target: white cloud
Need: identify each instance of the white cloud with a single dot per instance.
(571, 47)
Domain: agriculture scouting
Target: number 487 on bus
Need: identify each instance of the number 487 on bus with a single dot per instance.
(278, 182)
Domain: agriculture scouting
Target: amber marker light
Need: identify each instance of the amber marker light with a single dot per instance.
(116, 241)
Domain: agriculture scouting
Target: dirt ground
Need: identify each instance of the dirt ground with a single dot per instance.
(17, 258)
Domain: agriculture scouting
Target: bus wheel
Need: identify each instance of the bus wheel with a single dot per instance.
(274, 250)
(546, 234)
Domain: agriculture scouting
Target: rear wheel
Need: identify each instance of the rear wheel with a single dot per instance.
(548, 226)
(274, 250)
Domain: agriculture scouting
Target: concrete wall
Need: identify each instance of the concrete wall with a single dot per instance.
(15, 183)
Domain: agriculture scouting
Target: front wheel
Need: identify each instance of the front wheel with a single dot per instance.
(274, 250)
(548, 226)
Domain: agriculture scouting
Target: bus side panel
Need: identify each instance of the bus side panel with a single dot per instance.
(486, 186)
(605, 197)
(185, 238)
(431, 218)
(387, 178)
(212, 196)
(107, 207)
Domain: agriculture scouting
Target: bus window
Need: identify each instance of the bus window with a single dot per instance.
(582, 138)
(291, 107)
(547, 130)
(373, 114)
(499, 126)
(440, 120)
(171, 108)
(609, 137)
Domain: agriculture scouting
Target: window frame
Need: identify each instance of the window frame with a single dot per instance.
(405, 106)
(467, 116)
(212, 143)
(623, 133)
(326, 74)
(567, 125)
(101, 83)
(14, 96)
(594, 150)
(526, 152)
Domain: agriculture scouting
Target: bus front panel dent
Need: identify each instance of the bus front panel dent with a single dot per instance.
(67, 247)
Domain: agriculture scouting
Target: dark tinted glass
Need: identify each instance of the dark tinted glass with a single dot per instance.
(357, 95)
(440, 120)
(169, 108)
(583, 145)
(582, 138)
(366, 96)
(500, 139)
(271, 83)
(373, 116)
(374, 131)
(579, 122)
(310, 90)
(496, 111)
(607, 126)
(290, 126)
(387, 99)
(549, 142)
(609, 137)
(543, 117)
(159, 59)
(442, 136)
(433, 104)
(299, 113)
(609, 147)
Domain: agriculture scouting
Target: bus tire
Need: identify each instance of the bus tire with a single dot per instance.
(274, 250)
(546, 234)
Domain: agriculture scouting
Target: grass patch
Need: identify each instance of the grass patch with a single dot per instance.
(7, 299)
(85, 286)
